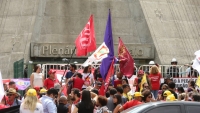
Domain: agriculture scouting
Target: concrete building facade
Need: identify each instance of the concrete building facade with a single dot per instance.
(45, 30)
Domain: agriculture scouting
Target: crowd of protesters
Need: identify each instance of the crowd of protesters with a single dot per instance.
(46, 95)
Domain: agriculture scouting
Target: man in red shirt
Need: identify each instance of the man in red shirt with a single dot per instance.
(118, 82)
(49, 82)
(137, 100)
(77, 81)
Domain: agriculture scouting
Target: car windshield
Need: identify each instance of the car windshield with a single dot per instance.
(137, 109)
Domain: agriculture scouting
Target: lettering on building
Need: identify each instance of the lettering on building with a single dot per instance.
(65, 50)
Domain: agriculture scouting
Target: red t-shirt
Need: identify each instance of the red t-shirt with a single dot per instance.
(131, 104)
(78, 82)
(49, 83)
(155, 81)
(117, 83)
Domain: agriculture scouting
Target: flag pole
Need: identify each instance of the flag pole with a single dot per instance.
(68, 64)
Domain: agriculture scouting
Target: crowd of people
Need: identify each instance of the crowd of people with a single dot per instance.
(82, 95)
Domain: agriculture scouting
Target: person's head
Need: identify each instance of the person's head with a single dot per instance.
(72, 67)
(146, 86)
(52, 73)
(95, 91)
(57, 86)
(174, 62)
(191, 83)
(43, 92)
(164, 87)
(195, 97)
(31, 100)
(63, 100)
(97, 85)
(86, 98)
(167, 78)
(113, 91)
(165, 94)
(5, 87)
(87, 69)
(147, 96)
(124, 81)
(154, 69)
(119, 75)
(140, 73)
(138, 96)
(171, 85)
(12, 84)
(119, 90)
(79, 75)
(181, 90)
(126, 88)
(117, 99)
(37, 68)
(12, 94)
(53, 93)
(101, 101)
(75, 94)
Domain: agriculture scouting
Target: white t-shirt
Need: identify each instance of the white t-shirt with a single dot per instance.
(38, 109)
(38, 81)
(90, 78)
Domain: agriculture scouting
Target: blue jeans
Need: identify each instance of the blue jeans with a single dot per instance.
(155, 93)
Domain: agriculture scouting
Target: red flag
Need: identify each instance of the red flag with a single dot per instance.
(125, 60)
(86, 41)
(110, 73)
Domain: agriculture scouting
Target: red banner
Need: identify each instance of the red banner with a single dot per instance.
(110, 73)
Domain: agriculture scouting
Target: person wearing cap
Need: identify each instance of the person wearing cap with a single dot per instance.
(12, 98)
(136, 101)
(51, 80)
(171, 98)
(165, 94)
(48, 101)
(31, 103)
(37, 78)
(77, 81)
(43, 91)
(173, 71)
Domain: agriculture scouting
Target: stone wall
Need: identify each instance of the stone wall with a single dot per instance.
(174, 27)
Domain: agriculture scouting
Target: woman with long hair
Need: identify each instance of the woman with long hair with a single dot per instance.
(117, 100)
(86, 105)
(87, 77)
(147, 96)
(155, 77)
(31, 103)
(37, 78)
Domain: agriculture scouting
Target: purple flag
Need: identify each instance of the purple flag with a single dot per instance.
(108, 39)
